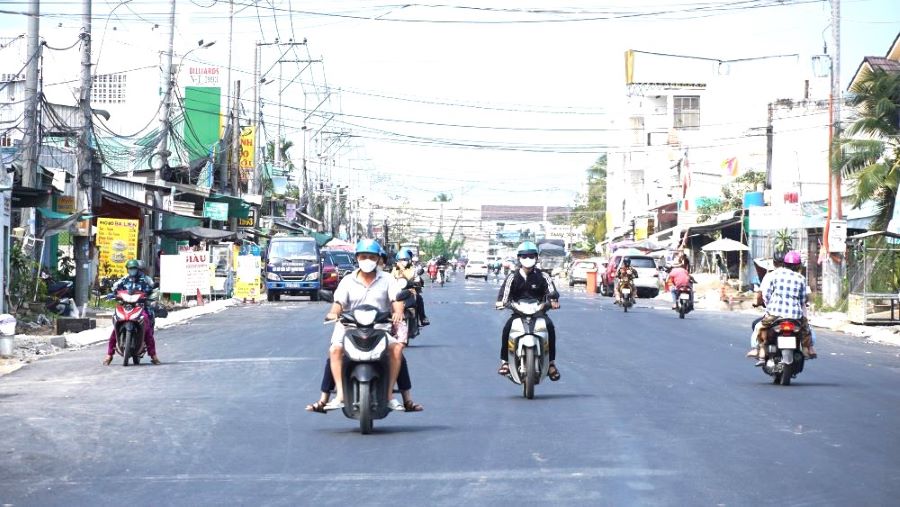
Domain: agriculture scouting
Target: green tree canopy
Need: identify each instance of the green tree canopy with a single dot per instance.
(869, 150)
(590, 209)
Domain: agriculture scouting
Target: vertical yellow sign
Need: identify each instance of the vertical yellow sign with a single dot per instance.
(248, 151)
(117, 239)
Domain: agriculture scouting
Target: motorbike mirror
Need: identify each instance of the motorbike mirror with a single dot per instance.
(326, 295)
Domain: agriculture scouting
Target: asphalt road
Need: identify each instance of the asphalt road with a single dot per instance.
(650, 410)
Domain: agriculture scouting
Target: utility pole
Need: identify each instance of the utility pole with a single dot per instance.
(832, 273)
(230, 35)
(253, 182)
(770, 138)
(32, 137)
(84, 255)
(236, 148)
(163, 147)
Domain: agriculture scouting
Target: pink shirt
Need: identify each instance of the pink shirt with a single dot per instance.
(679, 277)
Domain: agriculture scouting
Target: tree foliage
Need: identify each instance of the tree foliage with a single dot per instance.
(590, 210)
(732, 196)
(439, 246)
(868, 152)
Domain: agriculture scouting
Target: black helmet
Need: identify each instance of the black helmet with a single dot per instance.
(778, 257)
(626, 261)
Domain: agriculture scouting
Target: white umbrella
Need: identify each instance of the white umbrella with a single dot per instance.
(725, 245)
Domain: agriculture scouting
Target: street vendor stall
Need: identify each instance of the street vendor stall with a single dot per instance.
(873, 269)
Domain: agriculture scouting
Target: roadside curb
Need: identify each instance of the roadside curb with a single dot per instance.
(101, 334)
(33, 347)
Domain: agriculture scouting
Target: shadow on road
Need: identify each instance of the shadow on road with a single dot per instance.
(388, 429)
(560, 396)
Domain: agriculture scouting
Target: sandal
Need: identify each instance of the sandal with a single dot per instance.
(318, 406)
(553, 373)
(504, 369)
(412, 406)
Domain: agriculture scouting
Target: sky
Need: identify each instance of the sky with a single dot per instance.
(490, 101)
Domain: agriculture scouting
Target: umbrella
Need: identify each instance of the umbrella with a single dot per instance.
(725, 245)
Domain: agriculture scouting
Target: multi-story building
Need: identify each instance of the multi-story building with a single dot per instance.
(688, 126)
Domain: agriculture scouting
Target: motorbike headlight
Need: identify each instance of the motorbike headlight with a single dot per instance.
(364, 317)
(273, 277)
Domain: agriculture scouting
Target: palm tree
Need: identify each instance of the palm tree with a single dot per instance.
(869, 150)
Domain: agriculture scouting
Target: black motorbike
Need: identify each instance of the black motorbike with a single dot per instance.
(684, 300)
(60, 296)
(784, 352)
(366, 365)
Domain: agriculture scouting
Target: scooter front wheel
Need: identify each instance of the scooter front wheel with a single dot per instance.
(365, 408)
(530, 374)
(126, 351)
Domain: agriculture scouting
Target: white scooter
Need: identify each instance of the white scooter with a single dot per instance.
(529, 344)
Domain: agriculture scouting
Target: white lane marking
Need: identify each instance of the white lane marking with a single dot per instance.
(543, 474)
(247, 360)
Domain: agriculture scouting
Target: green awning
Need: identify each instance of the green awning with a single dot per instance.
(56, 215)
(237, 207)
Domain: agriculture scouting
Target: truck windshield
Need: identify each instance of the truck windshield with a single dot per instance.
(293, 250)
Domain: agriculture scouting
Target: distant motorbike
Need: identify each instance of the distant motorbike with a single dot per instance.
(627, 297)
(684, 300)
(784, 353)
(442, 274)
(529, 344)
(410, 315)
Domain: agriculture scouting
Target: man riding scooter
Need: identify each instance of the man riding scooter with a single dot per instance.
(678, 278)
(404, 268)
(528, 283)
(625, 276)
(135, 281)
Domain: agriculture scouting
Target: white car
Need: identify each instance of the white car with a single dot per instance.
(477, 269)
(578, 270)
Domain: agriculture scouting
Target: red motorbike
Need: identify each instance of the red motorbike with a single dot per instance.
(130, 324)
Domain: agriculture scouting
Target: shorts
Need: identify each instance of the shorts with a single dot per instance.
(337, 336)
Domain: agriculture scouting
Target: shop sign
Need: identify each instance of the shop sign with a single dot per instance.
(117, 239)
(216, 210)
(249, 222)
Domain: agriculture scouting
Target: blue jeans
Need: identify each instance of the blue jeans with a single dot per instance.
(674, 291)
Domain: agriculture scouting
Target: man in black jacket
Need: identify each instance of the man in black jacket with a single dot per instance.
(528, 282)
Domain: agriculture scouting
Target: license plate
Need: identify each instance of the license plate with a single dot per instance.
(787, 342)
(684, 296)
(626, 291)
(293, 285)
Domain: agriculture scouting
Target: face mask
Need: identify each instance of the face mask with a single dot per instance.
(368, 265)
(132, 273)
(528, 263)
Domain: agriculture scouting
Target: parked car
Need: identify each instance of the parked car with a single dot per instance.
(578, 270)
(345, 261)
(330, 276)
(647, 282)
(477, 269)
